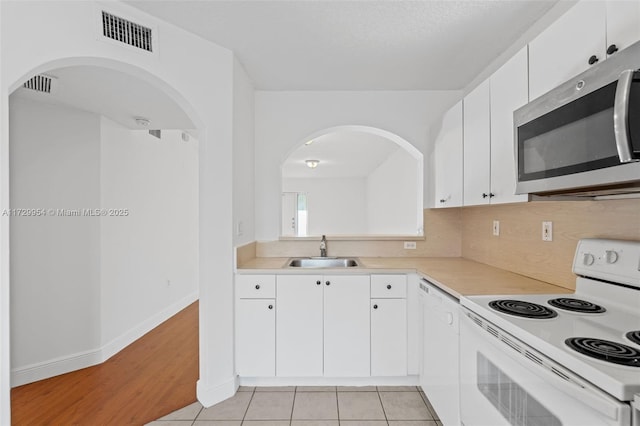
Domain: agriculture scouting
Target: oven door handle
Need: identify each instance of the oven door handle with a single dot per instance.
(621, 116)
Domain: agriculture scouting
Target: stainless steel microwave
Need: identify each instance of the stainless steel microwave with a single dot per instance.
(583, 137)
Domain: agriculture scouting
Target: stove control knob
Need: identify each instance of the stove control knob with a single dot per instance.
(611, 256)
(588, 259)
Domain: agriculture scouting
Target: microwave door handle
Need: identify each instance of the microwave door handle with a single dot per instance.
(621, 116)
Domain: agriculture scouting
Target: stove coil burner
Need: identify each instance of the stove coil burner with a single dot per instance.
(576, 305)
(634, 336)
(605, 350)
(523, 309)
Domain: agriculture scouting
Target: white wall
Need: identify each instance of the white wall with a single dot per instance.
(391, 196)
(243, 156)
(83, 287)
(336, 206)
(150, 256)
(285, 119)
(39, 36)
(55, 260)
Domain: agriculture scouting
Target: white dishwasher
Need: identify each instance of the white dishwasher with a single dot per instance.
(439, 374)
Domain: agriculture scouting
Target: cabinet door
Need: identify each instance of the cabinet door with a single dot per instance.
(256, 337)
(623, 23)
(388, 337)
(477, 139)
(509, 91)
(448, 160)
(563, 49)
(299, 325)
(346, 326)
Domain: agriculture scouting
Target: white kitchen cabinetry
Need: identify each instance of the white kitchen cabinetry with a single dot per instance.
(388, 325)
(477, 140)
(509, 91)
(346, 326)
(563, 49)
(623, 24)
(448, 159)
(440, 379)
(299, 330)
(255, 326)
(323, 326)
(388, 337)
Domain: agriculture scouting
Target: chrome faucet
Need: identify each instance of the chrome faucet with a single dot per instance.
(323, 246)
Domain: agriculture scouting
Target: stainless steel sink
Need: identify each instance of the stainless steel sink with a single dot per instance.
(323, 262)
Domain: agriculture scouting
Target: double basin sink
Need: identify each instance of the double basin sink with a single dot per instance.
(323, 262)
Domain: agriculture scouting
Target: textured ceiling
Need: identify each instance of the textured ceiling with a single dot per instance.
(356, 45)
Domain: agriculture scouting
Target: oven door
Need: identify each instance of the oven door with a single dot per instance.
(503, 382)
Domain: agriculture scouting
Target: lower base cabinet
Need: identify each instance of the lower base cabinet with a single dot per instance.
(299, 326)
(388, 337)
(346, 326)
(256, 337)
(304, 325)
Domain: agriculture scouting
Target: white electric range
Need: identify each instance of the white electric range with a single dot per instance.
(558, 359)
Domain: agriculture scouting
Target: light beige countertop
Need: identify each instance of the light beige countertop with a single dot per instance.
(455, 275)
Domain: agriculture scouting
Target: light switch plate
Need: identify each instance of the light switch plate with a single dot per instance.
(496, 228)
(410, 245)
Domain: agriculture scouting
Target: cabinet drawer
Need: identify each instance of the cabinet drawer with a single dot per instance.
(388, 286)
(256, 286)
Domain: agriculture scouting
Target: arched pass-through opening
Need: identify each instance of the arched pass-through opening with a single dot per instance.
(106, 340)
(352, 181)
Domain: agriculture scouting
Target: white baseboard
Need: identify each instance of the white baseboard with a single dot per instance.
(209, 395)
(330, 381)
(55, 367)
(133, 334)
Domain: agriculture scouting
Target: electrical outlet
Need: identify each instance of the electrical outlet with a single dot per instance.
(410, 245)
(496, 228)
(547, 231)
(239, 229)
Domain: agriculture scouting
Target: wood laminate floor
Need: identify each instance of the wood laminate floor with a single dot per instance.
(150, 378)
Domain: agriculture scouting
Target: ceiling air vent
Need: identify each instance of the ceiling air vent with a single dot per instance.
(126, 32)
(40, 83)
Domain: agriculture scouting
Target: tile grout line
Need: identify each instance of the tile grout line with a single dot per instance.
(244, 416)
(338, 405)
(382, 405)
(193, 422)
(293, 404)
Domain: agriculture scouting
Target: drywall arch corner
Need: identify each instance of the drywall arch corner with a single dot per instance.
(31, 41)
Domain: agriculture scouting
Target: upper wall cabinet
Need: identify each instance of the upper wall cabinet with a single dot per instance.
(509, 91)
(623, 25)
(588, 33)
(476, 147)
(448, 160)
(567, 47)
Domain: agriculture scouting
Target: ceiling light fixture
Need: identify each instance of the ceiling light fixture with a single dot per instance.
(141, 121)
(309, 142)
(312, 163)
